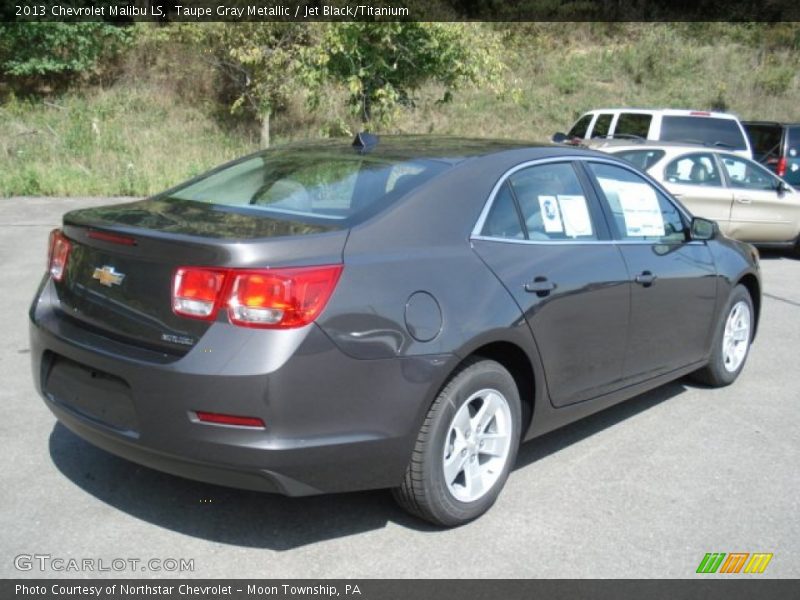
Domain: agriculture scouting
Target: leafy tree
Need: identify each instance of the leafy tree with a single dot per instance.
(32, 53)
(384, 64)
(265, 64)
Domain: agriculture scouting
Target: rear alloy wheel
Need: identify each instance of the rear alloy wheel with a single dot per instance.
(466, 447)
(731, 341)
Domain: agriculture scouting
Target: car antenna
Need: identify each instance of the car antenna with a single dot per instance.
(364, 142)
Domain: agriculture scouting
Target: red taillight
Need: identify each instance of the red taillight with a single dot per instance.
(700, 113)
(58, 254)
(222, 419)
(196, 292)
(268, 298)
(281, 298)
(781, 168)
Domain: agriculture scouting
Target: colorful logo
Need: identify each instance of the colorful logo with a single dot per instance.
(714, 562)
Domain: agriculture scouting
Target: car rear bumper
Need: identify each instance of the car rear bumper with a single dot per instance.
(332, 423)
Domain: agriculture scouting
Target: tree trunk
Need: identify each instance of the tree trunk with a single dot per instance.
(265, 128)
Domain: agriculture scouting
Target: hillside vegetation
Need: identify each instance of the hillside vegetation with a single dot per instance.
(157, 113)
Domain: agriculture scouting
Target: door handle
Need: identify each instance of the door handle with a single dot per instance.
(744, 200)
(540, 286)
(645, 278)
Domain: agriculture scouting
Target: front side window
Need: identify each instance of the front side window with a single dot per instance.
(633, 125)
(640, 211)
(602, 125)
(552, 203)
(579, 129)
(747, 175)
(693, 169)
(703, 130)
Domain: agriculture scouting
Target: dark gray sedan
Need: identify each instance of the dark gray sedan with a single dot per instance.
(396, 313)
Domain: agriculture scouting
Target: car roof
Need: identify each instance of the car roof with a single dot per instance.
(775, 123)
(672, 148)
(449, 149)
(670, 111)
(628, 144)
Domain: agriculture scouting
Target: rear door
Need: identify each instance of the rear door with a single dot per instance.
(696, 179)
(546, 240)
(761, 212)
(672, 280)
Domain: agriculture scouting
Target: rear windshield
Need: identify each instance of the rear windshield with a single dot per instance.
(765, 139)
(642, 159)
(302, 184)
(704, 130)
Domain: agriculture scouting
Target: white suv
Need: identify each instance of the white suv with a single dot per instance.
(670, 125)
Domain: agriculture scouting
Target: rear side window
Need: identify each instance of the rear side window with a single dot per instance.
(552, 203)
(633, 124)
(694, 169)
(579, 129)
(301, 184)
(503, 220)
(640, 211)
(641, 159)
(765, 139)
(704, 130)
(602, 125)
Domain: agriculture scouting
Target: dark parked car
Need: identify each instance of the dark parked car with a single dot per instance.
(398, 314)
(776, 145)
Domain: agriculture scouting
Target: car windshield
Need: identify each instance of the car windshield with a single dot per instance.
(301, 184)
(642, 159)
(705, 130)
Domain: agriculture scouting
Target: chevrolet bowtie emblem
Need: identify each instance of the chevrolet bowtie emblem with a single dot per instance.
(107, 276)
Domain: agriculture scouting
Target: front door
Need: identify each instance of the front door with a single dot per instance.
(672, 279)
(761, 212)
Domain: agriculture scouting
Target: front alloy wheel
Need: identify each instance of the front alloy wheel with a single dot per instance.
(731, 341)
(466, 446)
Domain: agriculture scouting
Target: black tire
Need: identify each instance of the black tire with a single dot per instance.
(715, 373)
(424, 491)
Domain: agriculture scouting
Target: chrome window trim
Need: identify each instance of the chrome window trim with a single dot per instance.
(487, 207)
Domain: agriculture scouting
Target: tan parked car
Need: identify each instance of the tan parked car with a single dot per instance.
(749, 202)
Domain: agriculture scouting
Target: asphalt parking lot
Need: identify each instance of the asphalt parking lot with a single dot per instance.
(644, 489)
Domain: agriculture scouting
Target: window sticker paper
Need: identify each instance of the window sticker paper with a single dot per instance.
(551, 214)
(641, 210)
(576, 215)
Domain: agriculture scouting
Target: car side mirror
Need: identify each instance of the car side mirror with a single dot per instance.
(703, 229)
(782, 188)
(559, 138)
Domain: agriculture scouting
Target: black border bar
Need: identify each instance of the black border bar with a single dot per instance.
(698, 588)
(400, 10)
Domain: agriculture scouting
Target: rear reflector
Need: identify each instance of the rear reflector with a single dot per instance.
(58, 254)
(781, 168)
(268, 298)
(221, 419)
(196, 292)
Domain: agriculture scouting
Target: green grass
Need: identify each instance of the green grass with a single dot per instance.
(159, 125)
(120, 141)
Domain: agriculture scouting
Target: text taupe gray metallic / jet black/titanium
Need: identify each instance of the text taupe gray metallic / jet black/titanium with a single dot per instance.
(399, 313)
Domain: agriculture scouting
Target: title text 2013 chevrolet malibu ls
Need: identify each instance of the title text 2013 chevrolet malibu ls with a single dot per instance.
(399, 312)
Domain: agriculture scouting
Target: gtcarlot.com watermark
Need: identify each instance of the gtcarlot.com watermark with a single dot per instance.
(47, 563)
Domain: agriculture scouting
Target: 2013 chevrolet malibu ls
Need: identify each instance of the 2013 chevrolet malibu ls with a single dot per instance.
(396, 313)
